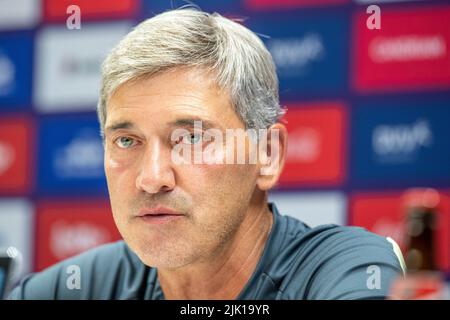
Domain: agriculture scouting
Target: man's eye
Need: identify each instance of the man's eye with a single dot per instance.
(124, 142)
(192, 138)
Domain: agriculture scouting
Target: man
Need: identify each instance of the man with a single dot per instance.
(204, 229)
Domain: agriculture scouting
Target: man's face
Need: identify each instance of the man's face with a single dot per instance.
(141, 175)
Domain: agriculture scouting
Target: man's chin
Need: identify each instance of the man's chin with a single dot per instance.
(162, 264)
(163, 258)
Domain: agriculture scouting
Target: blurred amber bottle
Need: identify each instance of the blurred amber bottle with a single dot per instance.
(423, 280)
(420, 222)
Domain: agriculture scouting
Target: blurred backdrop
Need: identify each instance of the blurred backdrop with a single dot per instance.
(368, 114)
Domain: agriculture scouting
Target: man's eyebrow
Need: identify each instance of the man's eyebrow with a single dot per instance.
(190, 122)
(183, 122)
(119, 125)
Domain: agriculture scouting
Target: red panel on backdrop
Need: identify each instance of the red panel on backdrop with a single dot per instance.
(410, 51)
(16, 151)
(66, 228)
(56, 10)
(316, 151)
(383, 214)
(273, 4)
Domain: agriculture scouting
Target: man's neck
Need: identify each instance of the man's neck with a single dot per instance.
(227, 273)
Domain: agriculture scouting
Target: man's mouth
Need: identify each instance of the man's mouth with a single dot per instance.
(159, 215)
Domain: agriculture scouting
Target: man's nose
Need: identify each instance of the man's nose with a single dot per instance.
(156, 171)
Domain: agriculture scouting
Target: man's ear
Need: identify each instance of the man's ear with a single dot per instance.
(271, 160)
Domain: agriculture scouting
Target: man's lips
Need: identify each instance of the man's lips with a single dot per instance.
(158, 211)
(159, 215)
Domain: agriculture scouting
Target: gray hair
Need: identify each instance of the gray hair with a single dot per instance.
(188, 37)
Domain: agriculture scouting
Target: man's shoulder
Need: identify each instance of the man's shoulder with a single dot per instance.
(332, 238)
(91, 274)
(332, 262)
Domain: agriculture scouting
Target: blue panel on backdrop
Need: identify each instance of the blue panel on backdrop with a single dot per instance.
(310, 50)
(16, 51)
(402, 142)
(71, 156)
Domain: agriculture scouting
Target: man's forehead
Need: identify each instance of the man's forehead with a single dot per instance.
(169, 109)
(157, 108)
(172, 85)
(136, 104)
(183, 114)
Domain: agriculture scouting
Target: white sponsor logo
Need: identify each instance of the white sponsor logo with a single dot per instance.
(7, 75)
(294, 55)
(68, 63)
(70, 239)
(16, 229)
(407, 48)
(18, 14)
(81, 158)
(401, 143)
(73, 67)
(313, 208)
(304, 146)
(7, 156)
